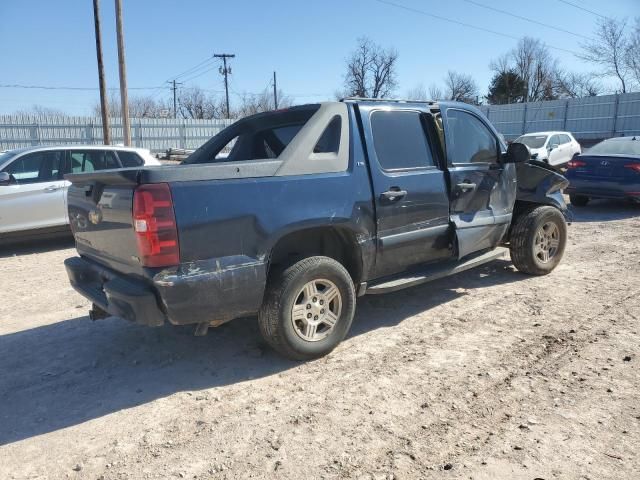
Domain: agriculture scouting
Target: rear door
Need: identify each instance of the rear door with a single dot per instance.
(482, 188)
(411, 200)
(35, 199)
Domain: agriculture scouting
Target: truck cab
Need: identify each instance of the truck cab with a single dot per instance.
(290, 215)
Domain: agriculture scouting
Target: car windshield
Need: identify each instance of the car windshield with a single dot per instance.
(532, 141)
(617, 147)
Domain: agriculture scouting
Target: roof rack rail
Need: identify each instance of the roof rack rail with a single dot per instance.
(398, 100)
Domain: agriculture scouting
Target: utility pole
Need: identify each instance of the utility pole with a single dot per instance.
(224, 70)
(104, 105)
(126, 129)
(175, 88)
(275, 91)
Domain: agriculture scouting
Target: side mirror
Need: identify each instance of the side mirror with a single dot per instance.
(517, 153)
(5, 179)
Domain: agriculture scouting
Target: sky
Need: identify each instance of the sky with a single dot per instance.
(51, 43)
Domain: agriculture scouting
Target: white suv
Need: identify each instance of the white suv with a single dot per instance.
(554, 148)
(33, 191)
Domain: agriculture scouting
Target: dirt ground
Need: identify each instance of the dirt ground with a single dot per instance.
(486, 375)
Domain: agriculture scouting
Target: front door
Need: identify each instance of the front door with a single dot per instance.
(412, 205)
(482, 188)
(35, 199)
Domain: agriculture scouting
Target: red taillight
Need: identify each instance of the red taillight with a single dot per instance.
(576, 164)
(633, 166)
(154, 223)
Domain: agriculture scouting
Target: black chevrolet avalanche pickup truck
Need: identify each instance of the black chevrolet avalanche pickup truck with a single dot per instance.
(293, 214)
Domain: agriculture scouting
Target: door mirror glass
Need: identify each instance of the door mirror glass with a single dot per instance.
(517, 153)
(5, 179)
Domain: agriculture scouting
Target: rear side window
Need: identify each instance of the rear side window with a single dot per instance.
(130, 159)
(329, 141)
(37, 167)
(261, 136)
(400, 141)
(469, 140)
(564, 139)
(92, 160)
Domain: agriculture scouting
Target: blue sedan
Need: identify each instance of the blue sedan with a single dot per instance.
(610, 169)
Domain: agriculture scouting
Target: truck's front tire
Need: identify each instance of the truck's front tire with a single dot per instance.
(538, 239)
(308, 308)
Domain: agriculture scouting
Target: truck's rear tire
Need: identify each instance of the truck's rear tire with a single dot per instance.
(308, 308)
(538, 239)
(578, 200)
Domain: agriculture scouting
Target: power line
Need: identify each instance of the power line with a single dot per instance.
(463, 24)
(199, 74)
(45, 87)
(526, 19)
(579, 7)
(192, 69)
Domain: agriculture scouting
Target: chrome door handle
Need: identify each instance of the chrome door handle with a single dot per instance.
(464, 186)
(393, 194)
(52, 188)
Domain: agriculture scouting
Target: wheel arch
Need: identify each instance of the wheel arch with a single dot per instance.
(337, 242)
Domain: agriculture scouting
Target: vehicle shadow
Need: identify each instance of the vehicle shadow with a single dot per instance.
(605, 211)
(63, 374)
(18, 247)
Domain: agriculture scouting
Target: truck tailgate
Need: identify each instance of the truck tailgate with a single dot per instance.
(100, 214)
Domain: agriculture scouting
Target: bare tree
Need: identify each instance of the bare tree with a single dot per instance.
(609, 50)
(262, 102)
(139, 106)
(577, 85)
(196, 103)
(417, 93)
(371, 70)
(533, 63)
(42, 111)
(632, 54)
(460, 87)
(435, 92)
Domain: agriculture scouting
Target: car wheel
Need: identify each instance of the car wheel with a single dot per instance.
(308, 308)
(578, 200)
(538, 240)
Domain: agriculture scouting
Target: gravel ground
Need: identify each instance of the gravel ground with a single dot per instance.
(489, 374)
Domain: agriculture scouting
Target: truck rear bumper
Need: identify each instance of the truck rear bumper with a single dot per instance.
(211, 291)
(121, 297)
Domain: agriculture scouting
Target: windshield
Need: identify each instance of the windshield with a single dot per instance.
(617, 147)
(8, 155)
(532, 141)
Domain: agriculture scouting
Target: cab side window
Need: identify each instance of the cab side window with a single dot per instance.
(399, 140)
(92, 160)
(37, 167)
(469, 140)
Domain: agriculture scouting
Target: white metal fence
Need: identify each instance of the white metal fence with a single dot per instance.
(155, 134)
(587, 118)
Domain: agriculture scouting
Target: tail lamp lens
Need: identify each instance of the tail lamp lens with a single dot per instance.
(576, 164)
(633, 166)
(154, 223)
